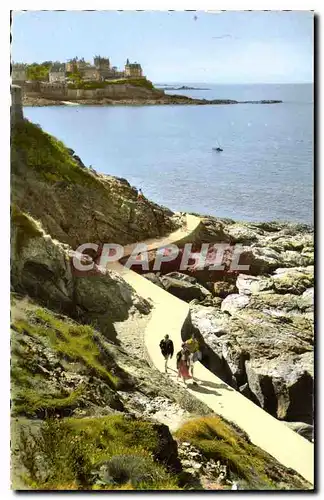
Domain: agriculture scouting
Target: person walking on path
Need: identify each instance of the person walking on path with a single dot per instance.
(195, 353)
(167, 349)
(183, 363)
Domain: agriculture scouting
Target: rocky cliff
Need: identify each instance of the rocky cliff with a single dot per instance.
(74, 203)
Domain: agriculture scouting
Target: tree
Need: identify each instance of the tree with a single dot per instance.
(75, 75)
(37, 72)
(47, 64)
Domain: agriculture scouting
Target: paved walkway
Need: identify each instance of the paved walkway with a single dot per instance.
(168, 316)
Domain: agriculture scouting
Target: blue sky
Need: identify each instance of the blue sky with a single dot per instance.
(228, 47)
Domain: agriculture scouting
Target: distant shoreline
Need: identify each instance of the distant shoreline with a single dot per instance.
(183, 87)
(154, 101)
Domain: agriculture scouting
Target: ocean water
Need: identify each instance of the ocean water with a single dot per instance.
(265, 171)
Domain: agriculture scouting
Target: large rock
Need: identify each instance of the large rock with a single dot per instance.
(261, 260)
(235, 302)
(305, 430)
(283, 385)
(254, 344)
(42, 268)
(214, 230)
(243, 233)
(308, 298)
(281, 304)
(224, 288)
(292, 258)
(251, 285)
(294, 280)
(212, 325)
(184, 287)
(153, 278)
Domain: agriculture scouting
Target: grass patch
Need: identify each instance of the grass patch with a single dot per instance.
(43, 345)
(109, 453)
(31, 402)
(75, 342)
(219, 441)
(116, 435)
(47, 155)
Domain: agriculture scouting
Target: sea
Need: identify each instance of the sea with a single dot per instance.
(265, 171)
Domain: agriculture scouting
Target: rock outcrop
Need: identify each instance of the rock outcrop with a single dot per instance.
(184, 287)
(43, 268)
(74, 204)
(261, 338)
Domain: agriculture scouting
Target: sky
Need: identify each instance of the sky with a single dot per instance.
(224, 47)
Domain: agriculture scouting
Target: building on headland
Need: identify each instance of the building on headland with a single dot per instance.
(133, 70)
(76, 70)
(57, 73)
(71, 66)
(18, 73)
(90, 73)
(102, 64)
(101, 69)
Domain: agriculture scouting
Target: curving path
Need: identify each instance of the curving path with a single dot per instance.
(169, 316)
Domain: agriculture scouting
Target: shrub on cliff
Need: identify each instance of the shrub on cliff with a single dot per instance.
(41, 344)
(219, 440)
(110, 452)
(135, 82)
(138, 472)
(45, 154)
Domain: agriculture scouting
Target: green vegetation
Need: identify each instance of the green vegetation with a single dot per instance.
(47, 155)
(34, 392)
(218, 440)
(74, 341)
(75, 76)
(135, 82)
(38, 72)
(32, 402)
(26, 227)
(103, 453)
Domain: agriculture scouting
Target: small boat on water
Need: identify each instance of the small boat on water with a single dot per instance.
(218, 149)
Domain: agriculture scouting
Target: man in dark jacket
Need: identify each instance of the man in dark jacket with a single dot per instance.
(166, 346)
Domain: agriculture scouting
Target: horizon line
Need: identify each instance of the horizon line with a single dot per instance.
(232, 83)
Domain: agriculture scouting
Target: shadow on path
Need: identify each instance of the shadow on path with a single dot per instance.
(216, 386)
(204, 390)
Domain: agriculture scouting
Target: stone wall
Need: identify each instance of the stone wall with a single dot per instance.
(60, 91)
(16, 112)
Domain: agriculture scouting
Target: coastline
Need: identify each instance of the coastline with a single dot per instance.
(160, 101)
